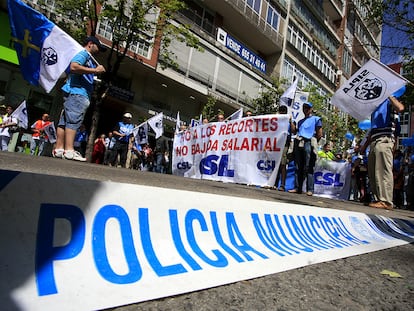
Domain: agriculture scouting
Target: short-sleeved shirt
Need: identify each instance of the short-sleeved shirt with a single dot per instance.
(307, 126)
(80, 84)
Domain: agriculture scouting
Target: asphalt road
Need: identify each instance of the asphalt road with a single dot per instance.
(353, 283)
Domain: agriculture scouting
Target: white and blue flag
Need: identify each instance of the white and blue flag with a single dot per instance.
(43, 49)
(20, 113)
(288, 96)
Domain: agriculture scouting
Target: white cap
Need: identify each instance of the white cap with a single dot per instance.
(127, 115)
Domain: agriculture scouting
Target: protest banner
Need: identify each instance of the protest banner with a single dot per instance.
(246, 150)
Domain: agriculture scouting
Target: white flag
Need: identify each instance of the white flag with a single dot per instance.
(296, 108)
(21, 115)
(289, 95)
(178, 123)
(156, 123)
(141, 133)
(236, 115)
(50, 132)
(367, 89)
(194, 123)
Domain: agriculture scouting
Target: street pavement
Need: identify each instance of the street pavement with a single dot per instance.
(353, 283)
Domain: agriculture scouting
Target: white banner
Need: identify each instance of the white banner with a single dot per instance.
(99, 245)
(332, 179)
(50, 132)
(246, 150)
(367, 89)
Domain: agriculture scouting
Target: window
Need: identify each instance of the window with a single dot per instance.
(273, 17)
(105, 29)
(255, 5)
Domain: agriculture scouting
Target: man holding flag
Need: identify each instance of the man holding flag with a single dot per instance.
(45, 52)
(77, 92)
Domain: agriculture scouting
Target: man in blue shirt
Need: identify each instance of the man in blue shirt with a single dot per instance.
(77, 93)
(384, 122)
(123, 133)
(309, 131)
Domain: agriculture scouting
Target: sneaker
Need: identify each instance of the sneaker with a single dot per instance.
(73, 155)
(309, 193)
(58, 153)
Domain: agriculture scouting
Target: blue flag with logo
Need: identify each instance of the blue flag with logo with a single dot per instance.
(43, 49)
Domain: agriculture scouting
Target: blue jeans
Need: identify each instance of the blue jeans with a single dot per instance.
(159, 165)
(74, 109)
(305, 160)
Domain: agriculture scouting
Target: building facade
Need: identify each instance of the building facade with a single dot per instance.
(245, 43)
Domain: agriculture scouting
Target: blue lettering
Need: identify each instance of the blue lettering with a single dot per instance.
(219, 238)
(46, 253)
(234, 232)
(99, 246)
(195, 215)
(153, 260)
(208, 166)
(328, 179)
(266, 237)
(266, 165)
(330, 230)
(175, 230)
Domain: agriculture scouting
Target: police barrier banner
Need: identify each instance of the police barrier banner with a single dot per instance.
(246, 150)
(332, 179)
(99, 245)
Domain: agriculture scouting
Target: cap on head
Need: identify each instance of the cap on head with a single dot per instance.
(97, 42)
(127, 115)
(309, 104)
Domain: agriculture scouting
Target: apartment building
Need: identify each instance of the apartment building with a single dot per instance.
(244, 42)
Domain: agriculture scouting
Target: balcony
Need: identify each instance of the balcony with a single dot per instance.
(255, 33)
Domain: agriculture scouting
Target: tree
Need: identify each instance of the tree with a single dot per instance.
(131, 22)
(399, 16)
(268, 101)
(208, 109)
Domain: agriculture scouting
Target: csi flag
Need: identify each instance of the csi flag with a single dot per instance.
(289, 95)
(50, 132)
(43, 49)
(156, 123)
(141, 133)
(236, 115)
(21, 115)
(367, 89)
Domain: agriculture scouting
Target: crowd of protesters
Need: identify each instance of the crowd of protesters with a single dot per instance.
(118, 148)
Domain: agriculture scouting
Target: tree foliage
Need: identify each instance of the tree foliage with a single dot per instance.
(129, 22)
(398, 15)
(268, 100)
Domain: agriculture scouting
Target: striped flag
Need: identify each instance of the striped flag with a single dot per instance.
(43, 49)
